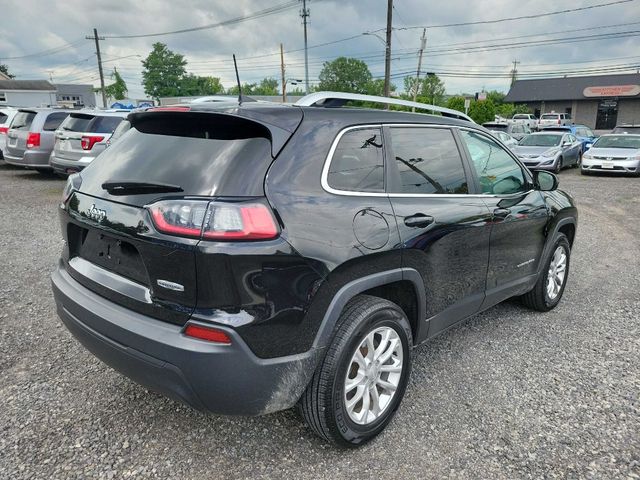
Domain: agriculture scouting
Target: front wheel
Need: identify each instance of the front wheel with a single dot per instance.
(548, 290)
(558, 167)
(357, 388)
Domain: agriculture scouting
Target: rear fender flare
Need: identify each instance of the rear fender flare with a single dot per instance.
(357, 286)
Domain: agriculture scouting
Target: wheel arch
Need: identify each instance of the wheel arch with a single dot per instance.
(374, 284)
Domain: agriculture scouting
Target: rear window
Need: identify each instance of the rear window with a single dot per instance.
(76, 122)
(550, 116)
(204, 154)
(633, 129)
(101, 124)
(3, 117)
(521, 117)
(54, 120)
(22, 120)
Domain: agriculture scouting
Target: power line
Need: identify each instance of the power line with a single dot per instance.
(232, 21)
(49, 51)
(522, 17)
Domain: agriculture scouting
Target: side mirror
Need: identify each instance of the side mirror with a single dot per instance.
(588, 145)
(544, 181)
(567, 144)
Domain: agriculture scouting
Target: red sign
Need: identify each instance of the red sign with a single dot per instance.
(612, 91)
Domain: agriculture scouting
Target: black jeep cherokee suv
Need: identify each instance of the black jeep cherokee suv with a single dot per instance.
(246, 258)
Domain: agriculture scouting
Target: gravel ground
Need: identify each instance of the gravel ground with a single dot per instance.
(509, 394)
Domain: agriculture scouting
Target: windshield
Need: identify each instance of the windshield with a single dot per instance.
(22, 120)
(618, 141)
(520, 117)
(76, 122)
(634, 129)
(550, 116)
(541, 140)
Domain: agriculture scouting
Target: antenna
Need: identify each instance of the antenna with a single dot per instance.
(235, 65)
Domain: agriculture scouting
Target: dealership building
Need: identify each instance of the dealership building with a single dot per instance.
(601, 102)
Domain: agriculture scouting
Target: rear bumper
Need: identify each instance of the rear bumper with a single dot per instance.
(223, 379)
(30, 158)
(63, 165)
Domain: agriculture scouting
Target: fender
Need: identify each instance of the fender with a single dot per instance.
(353, 288)
(552, 234)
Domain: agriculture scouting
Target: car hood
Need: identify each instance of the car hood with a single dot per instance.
(614, 152)
(522, 150)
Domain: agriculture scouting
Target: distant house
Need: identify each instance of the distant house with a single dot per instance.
(74, 95)
(4, 76)
(27, 93)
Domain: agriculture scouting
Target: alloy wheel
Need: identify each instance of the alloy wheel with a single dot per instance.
(557, 273)
(373, 375)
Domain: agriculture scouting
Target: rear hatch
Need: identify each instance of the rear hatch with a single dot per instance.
(84, 134)
(180, 159)
(19, 132)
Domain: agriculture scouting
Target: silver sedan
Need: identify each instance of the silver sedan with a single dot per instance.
(613, 154)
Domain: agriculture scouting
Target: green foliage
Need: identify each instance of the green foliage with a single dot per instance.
(345, 75)
(267, 86)
(456, 103)
(482, 111)
(430, 89)
(194, 85)
(5, 69)
(163, 72)
(118, 89)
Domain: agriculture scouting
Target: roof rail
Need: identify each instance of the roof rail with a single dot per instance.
(338, 99)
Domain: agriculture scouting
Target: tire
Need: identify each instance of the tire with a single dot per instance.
(45, 171)
(539, 298)
(578, 161)
(584, 172)
(558, 166)
(324, 403)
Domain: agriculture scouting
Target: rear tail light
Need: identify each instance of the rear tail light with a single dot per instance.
(214, 220)
(88, 141)
(4, 130)
(73, 183)
(33, 140)
(558, 121)
(209, 334)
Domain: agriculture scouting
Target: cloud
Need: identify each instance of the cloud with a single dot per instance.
(34, 25)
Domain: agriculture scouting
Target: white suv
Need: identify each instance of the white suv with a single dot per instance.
(553, 119)
(6, 115)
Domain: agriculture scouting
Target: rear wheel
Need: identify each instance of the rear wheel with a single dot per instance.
(359, 384)
(558, 166)
(547, 292)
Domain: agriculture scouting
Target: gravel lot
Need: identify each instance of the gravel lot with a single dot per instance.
(509, 394)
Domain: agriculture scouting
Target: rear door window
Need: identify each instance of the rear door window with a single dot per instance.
(426, 161)
(23, 120)
(104, 124)
(497, 172)
(3, 117)
(54, 120)
(357, 164)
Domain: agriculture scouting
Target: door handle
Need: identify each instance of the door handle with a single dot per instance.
(502, 212)
(418, 220)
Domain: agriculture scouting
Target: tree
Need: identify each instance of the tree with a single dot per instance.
(194, 85)
(456, 103)
(118, 89)
(376, 87)
(267, 86)
(5, 69)
(163, 72)
(482, 111)
(345, 75)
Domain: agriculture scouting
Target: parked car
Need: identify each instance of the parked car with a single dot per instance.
(627, 128)
(505, 138)
(613, 153)
(81, 137)
(549, 150)
(528, 119)
(581, 132)
(123, 127)
(516, 130)
(244, 260)
(6, 115)
(31, 137)
(552, 119)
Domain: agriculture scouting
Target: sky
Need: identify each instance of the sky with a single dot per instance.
(469, 58)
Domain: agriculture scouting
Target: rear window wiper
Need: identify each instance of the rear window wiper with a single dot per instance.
(137, 188)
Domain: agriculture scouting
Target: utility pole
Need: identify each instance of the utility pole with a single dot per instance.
(284, 82)
(387, 53)
(305, 14)
(97, 39)
(514, 72)
(423, 44)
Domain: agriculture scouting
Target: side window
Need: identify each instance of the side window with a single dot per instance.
(54, 120)
(427, 160)
(358, 162)
(498, 173)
